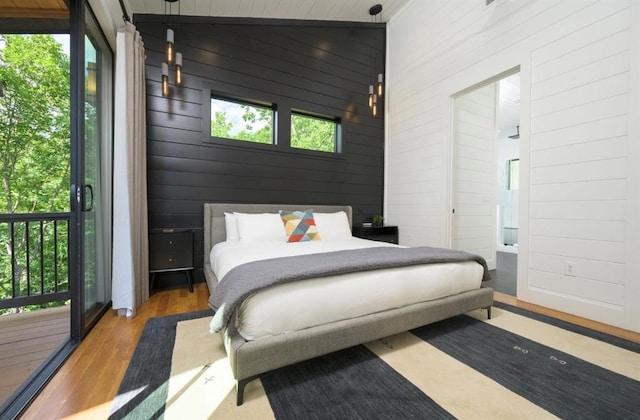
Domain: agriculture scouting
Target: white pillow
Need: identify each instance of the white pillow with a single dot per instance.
(333, 225)
(263, 227)
(231, 226)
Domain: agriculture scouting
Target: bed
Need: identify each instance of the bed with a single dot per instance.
(251, 355)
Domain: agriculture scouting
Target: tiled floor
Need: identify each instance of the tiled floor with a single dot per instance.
(503, 278)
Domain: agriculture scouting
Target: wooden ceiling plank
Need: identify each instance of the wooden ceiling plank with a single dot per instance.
(27, 4)
(36, 13)
(48, 4)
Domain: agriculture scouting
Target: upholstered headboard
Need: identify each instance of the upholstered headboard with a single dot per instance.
(214, 227)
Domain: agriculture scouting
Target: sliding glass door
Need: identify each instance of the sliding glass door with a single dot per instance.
(58, 94)
(94, 164)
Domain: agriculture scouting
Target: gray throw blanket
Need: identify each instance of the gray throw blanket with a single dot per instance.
(244, 280)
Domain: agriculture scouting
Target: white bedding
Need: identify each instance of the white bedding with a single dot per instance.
(304, 304)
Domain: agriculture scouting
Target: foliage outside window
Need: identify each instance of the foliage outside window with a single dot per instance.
(241, 121)
(313, 133)
(35, 159)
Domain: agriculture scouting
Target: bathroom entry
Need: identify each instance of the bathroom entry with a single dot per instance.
(485, 174)
(508, 164)
(508, 185)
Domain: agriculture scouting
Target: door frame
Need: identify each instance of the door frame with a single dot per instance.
(451, 151)
(76, 235)
(104, 190)
(78, 13)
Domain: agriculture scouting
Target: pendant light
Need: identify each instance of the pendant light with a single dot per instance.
(173, 58)
(165, 79)
(377, 89)
(374, 107)
(370, 96)
(170, 38)
(178, 69)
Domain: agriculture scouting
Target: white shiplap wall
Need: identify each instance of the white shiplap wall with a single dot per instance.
(473, 173)
(579, 63)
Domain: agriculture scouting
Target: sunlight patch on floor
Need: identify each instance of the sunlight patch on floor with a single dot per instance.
(97, 412)
(198, 392)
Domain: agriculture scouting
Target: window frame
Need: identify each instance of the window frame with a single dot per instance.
(282, 107)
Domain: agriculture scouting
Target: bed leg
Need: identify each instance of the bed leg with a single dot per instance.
(240, 391)
(240, 388)
(488, 308)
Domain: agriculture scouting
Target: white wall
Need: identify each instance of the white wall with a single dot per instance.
(473, 174)
(579, 63)
(109, 16)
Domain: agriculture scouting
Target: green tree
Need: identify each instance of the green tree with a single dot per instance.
(35, 156)
(34, 125)
(312, 133)
(220, 126)
(257, 117)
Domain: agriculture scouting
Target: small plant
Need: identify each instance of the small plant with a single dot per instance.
(378, 220)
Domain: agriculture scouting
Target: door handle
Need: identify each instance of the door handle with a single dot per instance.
(85, 188)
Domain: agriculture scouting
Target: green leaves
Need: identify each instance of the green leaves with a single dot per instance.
(312, 133)
(34, 125)
(34, 161)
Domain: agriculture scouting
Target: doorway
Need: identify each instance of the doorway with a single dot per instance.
(504, 278)
(485, 175)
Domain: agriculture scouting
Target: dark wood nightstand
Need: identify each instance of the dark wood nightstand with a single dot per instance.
(377, 233)
(171, 250)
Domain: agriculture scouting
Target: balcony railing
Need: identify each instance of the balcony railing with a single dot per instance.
(34, 259)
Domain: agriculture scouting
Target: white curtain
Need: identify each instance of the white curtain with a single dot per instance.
(130, 271)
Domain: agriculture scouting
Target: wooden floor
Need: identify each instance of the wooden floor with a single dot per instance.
(26, 340)
(86, 385)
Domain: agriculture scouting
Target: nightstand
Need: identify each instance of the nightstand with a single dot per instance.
(377, 233)
(171, 250)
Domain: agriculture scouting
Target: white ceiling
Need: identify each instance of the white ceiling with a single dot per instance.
(345, 10)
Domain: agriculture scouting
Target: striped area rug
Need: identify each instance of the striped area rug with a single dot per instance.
(516, 365)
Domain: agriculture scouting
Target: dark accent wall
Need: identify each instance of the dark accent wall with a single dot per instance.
(320, 67)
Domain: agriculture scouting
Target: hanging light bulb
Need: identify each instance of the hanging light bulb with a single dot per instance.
(370, 96)
(165, 79)
(178, 69)
(169, 46)
(379, 85)
(374, 108)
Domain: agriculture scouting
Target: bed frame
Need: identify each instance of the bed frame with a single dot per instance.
(249, 359)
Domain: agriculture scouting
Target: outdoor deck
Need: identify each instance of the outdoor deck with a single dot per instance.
(26, 340)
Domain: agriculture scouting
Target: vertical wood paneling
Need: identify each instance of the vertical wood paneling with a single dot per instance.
(320, 67)
(577, 59)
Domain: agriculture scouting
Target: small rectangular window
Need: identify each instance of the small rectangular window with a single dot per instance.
(314, 133)
(236, 120)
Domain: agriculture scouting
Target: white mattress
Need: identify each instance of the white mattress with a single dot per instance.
(294, 306)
